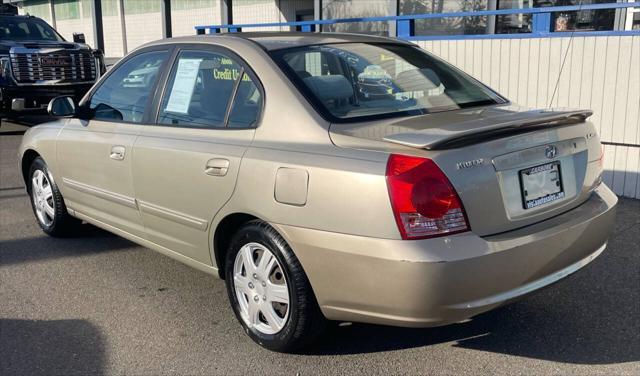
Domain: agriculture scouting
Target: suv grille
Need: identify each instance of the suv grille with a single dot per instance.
(67, 66)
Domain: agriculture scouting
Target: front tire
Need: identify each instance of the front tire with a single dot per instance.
(269, 292)
(47, 202)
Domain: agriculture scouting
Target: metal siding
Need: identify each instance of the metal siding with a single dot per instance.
(632, 174)
(597, 87)
(631, 128)
(514, 68)
(622, 91)
(600, 73)
(620, 168)
(610, 76)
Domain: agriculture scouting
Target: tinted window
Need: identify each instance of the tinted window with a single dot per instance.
(199, 90)
(247, 104)
(18, 28)
(357, 79)
(123, 95)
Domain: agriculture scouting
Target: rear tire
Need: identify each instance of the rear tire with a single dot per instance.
(47, 202)
(262, 273)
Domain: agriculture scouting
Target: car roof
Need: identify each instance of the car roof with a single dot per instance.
(271, 41)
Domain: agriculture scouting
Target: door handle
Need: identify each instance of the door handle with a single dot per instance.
(217, 167)
(117, 152)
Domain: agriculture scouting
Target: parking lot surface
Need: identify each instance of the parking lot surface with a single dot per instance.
(101, 304)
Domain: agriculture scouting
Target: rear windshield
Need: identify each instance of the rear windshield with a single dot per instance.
(19, 28)
(354, 80)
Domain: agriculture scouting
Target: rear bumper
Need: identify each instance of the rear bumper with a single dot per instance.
(36, 98)
(445, 280)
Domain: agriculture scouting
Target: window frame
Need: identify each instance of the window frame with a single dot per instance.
(83, 106)
(198, 47)
(278, 57)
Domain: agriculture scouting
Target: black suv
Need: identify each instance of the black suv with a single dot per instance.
(37, 64)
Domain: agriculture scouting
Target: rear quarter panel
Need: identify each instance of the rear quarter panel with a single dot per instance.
(345, 193)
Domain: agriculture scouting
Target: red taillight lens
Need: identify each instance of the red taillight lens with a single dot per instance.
(423, 200)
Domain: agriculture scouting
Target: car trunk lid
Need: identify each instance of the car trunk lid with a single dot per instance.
(511, 167)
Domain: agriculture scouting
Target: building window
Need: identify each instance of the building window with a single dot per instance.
(450, 25)
(141, 6)
(110, 8)
(334, 9)
(66, 9)
(38, 8)
(584, 20)
(632, 19)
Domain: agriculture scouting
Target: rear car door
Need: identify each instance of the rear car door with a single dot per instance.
(95, 151)
(185, 166)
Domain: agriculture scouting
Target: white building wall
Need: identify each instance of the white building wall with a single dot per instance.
(38, 8)
(112, 32)
(142, 28)
(263, 11)
(183, 21)
(82, 24)
(600, 73)
(67, 27)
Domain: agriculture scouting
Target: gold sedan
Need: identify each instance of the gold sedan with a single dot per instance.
(325, 177)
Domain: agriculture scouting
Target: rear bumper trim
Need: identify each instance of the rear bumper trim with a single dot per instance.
(532, 286)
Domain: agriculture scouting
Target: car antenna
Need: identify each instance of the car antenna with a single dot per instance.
(564, 60)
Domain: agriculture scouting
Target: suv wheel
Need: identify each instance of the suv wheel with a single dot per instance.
(269, 292)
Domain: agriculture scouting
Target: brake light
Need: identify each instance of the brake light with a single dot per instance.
(424, 202)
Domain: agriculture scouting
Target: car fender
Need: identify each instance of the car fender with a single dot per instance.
(42, 140)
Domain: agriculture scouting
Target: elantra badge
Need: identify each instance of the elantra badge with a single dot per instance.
(468, 164)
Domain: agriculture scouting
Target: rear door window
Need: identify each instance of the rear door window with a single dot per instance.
(247, 104)
(199, 92)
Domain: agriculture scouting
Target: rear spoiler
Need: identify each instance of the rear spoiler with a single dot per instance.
(439, 138)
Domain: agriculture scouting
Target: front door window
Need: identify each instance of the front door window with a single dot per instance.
(123, 96)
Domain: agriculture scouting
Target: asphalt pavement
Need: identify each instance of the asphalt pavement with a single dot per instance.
(100, 304)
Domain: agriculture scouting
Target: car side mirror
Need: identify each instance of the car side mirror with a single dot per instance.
(62, 106)
(79, 38)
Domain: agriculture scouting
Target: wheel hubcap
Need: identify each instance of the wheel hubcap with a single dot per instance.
(261, 289)
(42, 198)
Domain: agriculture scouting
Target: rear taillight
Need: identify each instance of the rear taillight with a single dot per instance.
(424, 202)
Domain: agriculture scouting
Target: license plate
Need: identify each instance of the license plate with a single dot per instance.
(541, 185)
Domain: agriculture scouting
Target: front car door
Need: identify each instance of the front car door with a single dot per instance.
(95, 151)
(185, 166)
